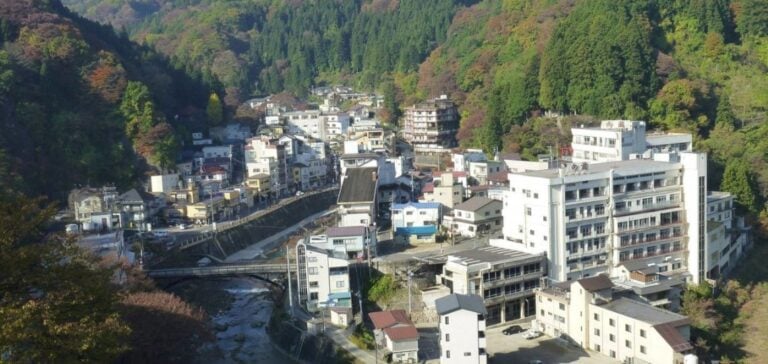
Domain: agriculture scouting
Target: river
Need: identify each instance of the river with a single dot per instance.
(239, 309)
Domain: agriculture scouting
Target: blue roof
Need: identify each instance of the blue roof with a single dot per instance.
(416, 230)
(418, 205)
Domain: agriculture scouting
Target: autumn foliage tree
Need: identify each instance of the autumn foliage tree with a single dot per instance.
(57, 303)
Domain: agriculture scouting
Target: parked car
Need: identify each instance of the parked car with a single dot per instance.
(514, 329)
(530, 335)
(183, 226)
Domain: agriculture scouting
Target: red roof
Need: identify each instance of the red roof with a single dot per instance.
(384, 319)
(501, 176)
(429, 187)
(213, 169)
(671, 335)
(402, 333)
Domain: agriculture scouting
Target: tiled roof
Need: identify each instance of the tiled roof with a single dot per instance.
(402, 333)
(672, 336)
(384, 319)
(429, 187)
(359, 185)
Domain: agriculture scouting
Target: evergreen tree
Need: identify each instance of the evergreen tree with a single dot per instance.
(738, 180)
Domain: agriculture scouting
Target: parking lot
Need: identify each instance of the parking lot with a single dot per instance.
(516, 349)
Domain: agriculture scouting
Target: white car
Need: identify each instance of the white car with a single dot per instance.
(183, 226)
(532, 334)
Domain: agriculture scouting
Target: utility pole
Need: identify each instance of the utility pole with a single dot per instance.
(410, 275)
(290, 289)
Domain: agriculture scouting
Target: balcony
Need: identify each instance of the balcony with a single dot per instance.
(646, 208)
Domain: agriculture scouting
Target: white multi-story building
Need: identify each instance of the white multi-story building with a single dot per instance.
(478, 215)
(308, 122)
(368, 134)
(164, 183)
(358, 196)
(266, 156)
(462, 329)
(727, 236)
(352, 241)
(337, 125)
(593, 218)
(617, 140)
(586, 313)
(461, 160)
(321, 275)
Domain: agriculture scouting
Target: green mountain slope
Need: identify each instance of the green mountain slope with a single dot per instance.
(81, 105)
(261, 46)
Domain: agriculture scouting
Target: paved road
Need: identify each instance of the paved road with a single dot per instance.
(339, 336)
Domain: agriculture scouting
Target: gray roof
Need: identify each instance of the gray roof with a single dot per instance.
(133, 196)
(474, 203)
(620, 168)
(359, 185)
(345, 231)
(642, 311)
(455, 302)
(493, 255)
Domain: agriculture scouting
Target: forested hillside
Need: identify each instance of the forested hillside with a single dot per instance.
(250, 47)
(81, 105)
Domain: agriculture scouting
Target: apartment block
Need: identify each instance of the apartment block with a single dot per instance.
(416, 222)
(617, 140)
(462, 329)
(504, 278)
(592, 218)
(728, 237)
(586, 313)
(266, 156)
(351, 241)
(322, 276)
(431, 126)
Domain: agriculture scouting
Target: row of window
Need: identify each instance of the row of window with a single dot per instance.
(511, 272)
(510, 289)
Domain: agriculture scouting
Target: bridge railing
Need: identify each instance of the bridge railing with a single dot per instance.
(219, 270)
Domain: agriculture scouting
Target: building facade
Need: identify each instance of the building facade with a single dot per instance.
(416, 222)
(321, 275)
(504, 278)
(476, 216)
(431, 126)
(462, 329)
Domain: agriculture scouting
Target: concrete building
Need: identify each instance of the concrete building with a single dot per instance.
(308, 122)
(478, 215)
(727, 236)
(416, 222)
(336, 125)
(590, 219)
(395, 332)
(431, 126)
(586, 313)
(352, 241)
(504, 278)
(265, 155)
(368, 135)
(481, 171)
(462, 329)
(617, 140)
(447, 192)
(461, 160)
(357, 197)
(322, 276)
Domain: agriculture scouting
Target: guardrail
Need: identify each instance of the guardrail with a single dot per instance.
(217, 270)
(226, 225)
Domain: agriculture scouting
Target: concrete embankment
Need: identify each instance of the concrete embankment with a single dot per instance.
(225, 243)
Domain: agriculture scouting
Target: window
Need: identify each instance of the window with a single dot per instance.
(313, 284)
(613, 354)
(312, 270)
(447, 337)
(528, 211)
(597, 347)
(642, 333)
(312, 259)
(597, 332)
(597, 317)
(627, 328)
(447, 354)
(562, 307)
(313, 296)
(642, 349)
(611, 337)
(447, 320)
(627, 343)
(611, 322)
(340, 284)
(467, 353)
(535, 195)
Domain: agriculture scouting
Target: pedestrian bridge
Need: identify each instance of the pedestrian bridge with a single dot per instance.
(253, 268)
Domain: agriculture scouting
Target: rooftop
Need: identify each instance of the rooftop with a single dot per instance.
(642, 311)
(359, 185)
(490, 254)
(596, 283)
(345, 231)
(416, 205)
(627, 167)
(474, 204)
(384, 319)
(455, 302)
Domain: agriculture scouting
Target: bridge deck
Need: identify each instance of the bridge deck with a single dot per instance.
(218, 270)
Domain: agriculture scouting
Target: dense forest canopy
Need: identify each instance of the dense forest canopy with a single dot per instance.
(82, 105)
